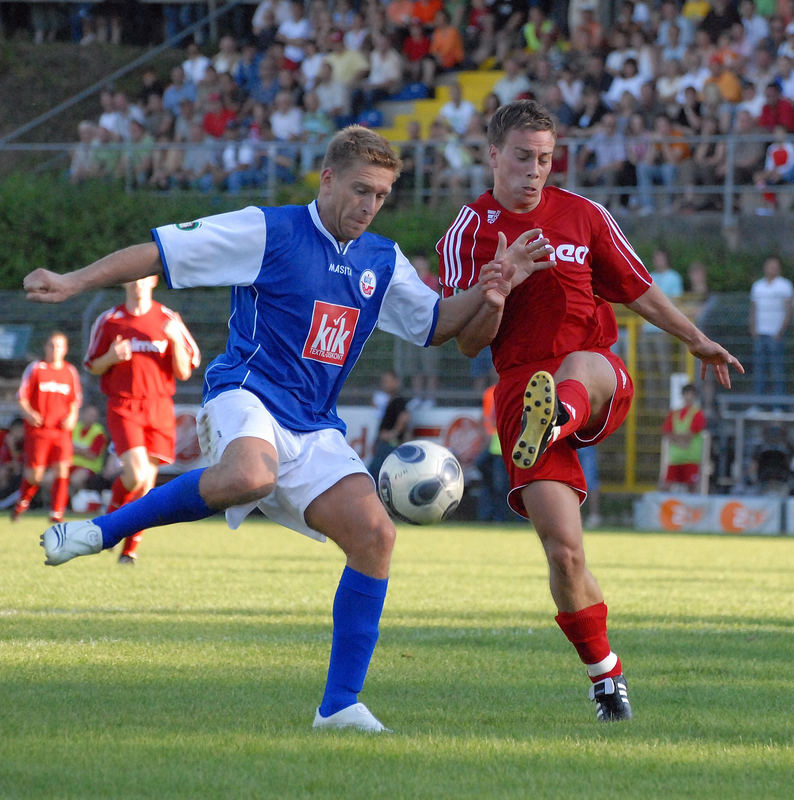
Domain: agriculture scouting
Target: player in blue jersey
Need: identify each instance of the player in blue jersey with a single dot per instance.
(309, 285)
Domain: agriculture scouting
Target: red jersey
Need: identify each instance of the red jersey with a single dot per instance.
(149, 373)
(555, 311)
(52, 391)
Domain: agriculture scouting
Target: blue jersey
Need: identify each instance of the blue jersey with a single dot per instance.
(302, 303)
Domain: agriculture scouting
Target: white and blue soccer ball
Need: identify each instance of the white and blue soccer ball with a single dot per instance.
(420, 482)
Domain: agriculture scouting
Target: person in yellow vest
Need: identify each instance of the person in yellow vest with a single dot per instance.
(683, 428)
(90, 443)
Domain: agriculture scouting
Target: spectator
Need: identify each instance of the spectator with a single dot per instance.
(188, 115)
(701, 170)
(422, 363)
(178, 90)
(12, 461)
(83, 164)
(446, 43)
(217, 118)
(662, 163)
(384, 78)
(603, 160)
(238, 160)
(670, 16)
(425, 11)
(246, 73)
(777, 110)
(197, 166)
(756, 27)
(310, 66)
(150, 84)
(158, 120)
(479, 34)
(293, 33)
(232, 96)
(394, 422)
(749, 156)
(136, 157)
(770, 315)
(770, 462)
(415, 49)
(690, 112)
(457, 111)
(596, 74)
(683, 429)
(588, 460)
(50, 395)
(195, 64)
(350, 67)
(357, 34)
(725, 79)
(720, 18)
(225, 60)
(591, 112)
(286, 119)
(90, 444)
(494, 483)
(778, 170)
(334, 96)
(140, 348)
(656, 344)
(489, 105)
(513, 83)
(209, 85)
(420, 160)
(571, 87)
(266, 85)
(675, 48)
(557, 106)
(628, 80)
(761, 67)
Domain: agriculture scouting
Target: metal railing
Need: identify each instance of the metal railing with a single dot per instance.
(421, 184)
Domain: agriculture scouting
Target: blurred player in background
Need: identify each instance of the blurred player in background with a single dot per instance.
(560, 387)
(140, 349)
(309, 287)
(12, 461)
(49, 395)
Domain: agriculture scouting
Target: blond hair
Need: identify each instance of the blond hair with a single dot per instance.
(357, 144)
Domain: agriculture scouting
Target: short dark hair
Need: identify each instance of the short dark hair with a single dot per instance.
(519, 115)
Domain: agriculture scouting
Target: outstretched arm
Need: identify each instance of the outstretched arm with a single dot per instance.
(657, 308)
(129, 264)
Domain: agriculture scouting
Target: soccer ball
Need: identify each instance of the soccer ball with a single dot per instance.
(420, 482)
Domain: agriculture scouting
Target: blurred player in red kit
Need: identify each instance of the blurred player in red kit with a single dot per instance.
(560, 386)
(49, 395)
(140, 349)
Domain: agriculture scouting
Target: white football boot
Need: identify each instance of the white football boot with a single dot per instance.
(65, 540)
(356, 716)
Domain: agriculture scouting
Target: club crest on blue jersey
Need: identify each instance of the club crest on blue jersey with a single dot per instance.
(366, 283)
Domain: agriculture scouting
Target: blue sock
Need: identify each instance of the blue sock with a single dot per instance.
(357, 608)
(176, 501)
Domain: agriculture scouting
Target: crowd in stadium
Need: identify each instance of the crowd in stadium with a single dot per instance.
(635, 89)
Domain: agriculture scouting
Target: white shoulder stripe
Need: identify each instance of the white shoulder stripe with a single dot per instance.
(452, 242)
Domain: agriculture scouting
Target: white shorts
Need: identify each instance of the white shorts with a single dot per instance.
(308, 463)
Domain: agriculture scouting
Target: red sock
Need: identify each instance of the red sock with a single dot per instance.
(131, 543)
(60, 497)
(587, 632)
(573, 395)
(27, 491)
(120, 495)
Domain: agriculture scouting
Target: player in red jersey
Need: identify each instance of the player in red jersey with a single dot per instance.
(560, 386)
(49, 395)
(140, 349)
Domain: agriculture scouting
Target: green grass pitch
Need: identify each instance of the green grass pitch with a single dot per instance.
(196, 673)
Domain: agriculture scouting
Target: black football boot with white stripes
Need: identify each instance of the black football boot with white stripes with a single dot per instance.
(611, 696)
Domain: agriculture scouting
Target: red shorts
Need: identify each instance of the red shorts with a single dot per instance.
(683, 473)
(560, 462)
(47, 446)
(146, 423)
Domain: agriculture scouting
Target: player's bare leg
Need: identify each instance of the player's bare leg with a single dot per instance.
(351, 514)
(31, 480)
(554, 510)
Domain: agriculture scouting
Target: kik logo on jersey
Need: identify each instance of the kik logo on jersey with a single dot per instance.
(331, 333)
